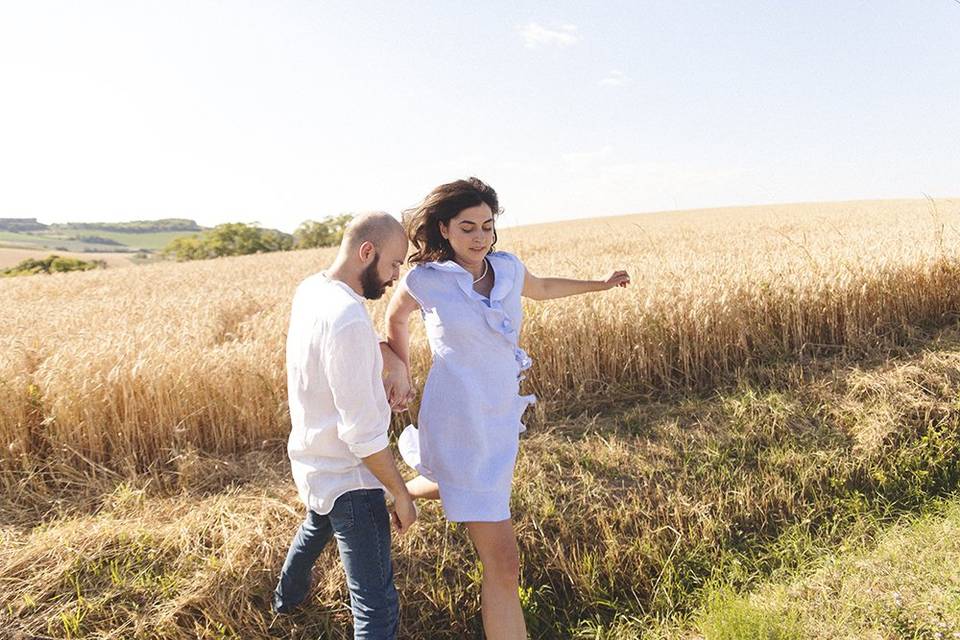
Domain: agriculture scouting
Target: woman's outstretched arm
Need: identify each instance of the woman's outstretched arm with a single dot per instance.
(549, 288)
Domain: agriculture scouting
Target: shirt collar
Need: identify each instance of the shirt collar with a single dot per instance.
(343, 285)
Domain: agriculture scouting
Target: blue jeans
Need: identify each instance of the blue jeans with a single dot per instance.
(361, 525)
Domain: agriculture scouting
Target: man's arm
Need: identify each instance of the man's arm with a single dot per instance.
(383, 466)
(350, 366)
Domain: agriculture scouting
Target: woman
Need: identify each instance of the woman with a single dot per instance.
(469, 422)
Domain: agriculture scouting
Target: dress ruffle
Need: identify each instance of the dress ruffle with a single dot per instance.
(496, 317)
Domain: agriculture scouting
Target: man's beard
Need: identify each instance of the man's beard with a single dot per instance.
(373, 287)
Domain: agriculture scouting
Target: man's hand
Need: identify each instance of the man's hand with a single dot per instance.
(384, 467)
(404, 513)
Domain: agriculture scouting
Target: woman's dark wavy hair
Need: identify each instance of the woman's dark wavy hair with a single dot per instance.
(443, 203)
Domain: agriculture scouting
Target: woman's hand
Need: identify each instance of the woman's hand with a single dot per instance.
(550, 288)
(396, 379)
(617, 279)
(396, 384)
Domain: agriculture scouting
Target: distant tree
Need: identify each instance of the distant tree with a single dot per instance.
(229, 239)
(51, 264)
(185, 248)
(323, 233)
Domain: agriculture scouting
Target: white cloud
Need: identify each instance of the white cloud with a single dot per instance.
(614, 79)
(536, 35)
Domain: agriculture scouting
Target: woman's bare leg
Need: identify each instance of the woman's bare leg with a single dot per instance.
(422, 489)
(496, 544)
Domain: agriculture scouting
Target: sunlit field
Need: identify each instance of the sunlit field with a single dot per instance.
(774, 381)
(125, 367)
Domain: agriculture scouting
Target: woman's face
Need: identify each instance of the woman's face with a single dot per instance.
(470, 233)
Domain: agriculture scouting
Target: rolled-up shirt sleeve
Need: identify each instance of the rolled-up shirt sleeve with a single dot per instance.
(354, 373)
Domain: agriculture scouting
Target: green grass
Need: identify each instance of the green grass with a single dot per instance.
(55, 243)
(904, 584)
(149, 241)
(728, 616)
(26, 238)
(153, 241)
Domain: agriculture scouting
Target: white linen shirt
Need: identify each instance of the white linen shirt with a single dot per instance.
(338, 408)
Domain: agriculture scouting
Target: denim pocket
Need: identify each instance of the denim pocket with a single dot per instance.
(341, 516)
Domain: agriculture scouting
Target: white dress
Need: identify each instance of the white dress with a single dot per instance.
(469, 422)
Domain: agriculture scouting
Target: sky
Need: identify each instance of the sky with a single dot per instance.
(280, 111)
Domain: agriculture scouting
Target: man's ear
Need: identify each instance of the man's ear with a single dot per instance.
(366, 251)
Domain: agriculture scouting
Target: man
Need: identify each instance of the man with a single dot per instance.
(339, 414)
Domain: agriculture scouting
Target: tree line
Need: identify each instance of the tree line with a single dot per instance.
(239, 238)
(135, 226)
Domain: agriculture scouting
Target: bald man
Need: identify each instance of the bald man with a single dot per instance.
(339, 414)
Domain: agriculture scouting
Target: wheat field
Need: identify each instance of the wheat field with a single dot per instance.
(126, 368)
(777, 382)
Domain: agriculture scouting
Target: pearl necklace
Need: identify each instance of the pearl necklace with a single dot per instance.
(482, 275)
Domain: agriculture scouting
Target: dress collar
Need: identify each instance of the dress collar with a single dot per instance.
(503, 276)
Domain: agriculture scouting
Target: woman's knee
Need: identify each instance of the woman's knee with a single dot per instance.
(502, 562)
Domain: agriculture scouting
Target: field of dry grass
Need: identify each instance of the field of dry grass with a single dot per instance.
(627, 522)
(127, 367)
(775, 380)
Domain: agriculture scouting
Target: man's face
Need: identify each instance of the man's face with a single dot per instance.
(384, 269)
